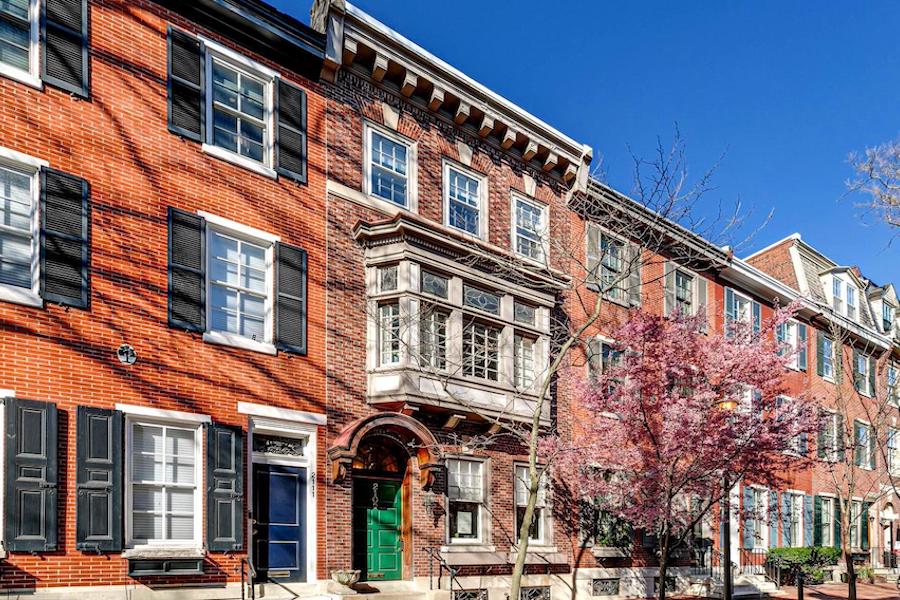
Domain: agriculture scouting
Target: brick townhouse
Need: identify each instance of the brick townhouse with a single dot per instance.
(162, 294)
(264, 287)
(440, 294)
(845, 340)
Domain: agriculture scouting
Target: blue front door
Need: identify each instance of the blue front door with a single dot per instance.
(279, 511)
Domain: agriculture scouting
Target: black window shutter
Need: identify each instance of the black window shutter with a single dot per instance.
(824, 421)
(99, 464)
(65, 238)
(290, 305)
(65, 61)
(31, 476)
(187, 270)
(820, 353)
(224, 488)
(185, 85)
(290, 134)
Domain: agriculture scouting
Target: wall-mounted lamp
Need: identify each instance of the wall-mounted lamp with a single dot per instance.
(126, 354)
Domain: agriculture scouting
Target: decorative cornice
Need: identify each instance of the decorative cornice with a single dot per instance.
(360, 43)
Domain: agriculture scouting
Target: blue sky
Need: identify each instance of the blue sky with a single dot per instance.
(784, 89)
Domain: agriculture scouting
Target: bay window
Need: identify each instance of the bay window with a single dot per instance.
(163, 476)
(465, 495)
(481, 357)
(523, 363)
(389, 333)
(433, 338)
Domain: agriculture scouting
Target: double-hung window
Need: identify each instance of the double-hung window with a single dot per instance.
(433, 337)
(481, 357)
(756, 509)
(684, 292)
(537, 533)
(887, 317)
(792, 336)
(240, 110)
(529, 228)
(19, 38)
(239, 286)
(828, 514)
(828, 358)
(893, 451)
(855, 522)
(18, 228)
(465, 495)
(864, 455)
(837, 295)
(464, 200)
(796, 508)
(389, 333)
(163, 483)
(852, 308)
(893, 379)
(862, 373)
(389, 167)
(830, 435)
(523, 350)
(613, 268)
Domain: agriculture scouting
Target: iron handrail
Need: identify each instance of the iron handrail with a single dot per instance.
(435, 556)
(247, 565)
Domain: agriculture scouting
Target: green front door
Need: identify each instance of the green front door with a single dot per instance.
(377, 546)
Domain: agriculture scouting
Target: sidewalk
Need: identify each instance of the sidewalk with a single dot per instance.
(838, 591)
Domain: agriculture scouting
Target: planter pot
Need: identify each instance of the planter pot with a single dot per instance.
(844, 577)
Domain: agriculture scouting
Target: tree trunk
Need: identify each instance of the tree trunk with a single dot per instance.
(663, 565)
(851, 575)
(524, 530)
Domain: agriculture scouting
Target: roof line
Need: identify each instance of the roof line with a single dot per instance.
(793, 237)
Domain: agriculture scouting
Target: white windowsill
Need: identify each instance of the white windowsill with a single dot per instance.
(23, 296)
(468, 547)
(154, 551)
(21, 76)
(239, 341)
(160, 413)
(241, 161)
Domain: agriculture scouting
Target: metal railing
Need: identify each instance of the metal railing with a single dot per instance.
(248, 571)
(753, 561)
(435, 557)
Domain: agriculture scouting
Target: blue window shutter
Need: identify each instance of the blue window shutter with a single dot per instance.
(808, 521)
(786, 519)
(749, 519)
(773, 521)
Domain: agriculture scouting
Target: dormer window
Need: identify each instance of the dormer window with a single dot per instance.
(837, 295)
(887, 317)
(851, 303)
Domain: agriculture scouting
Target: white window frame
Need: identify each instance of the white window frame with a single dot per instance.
(543, 503)
(482, 179)
(831, 452)
(524, 378)
(867, 462)
(542, 242)
(792, 340)
(759, 518)
(144, 417)
(855, 522)
(828, 504)
(892, 383)
(888, 310)
(893, 451)
(867, 383)
(482, 524)
(231, 229)
(838, 303)
(828, 359)
(32, 76)
(796, 505)
(852, 294)
(29, 166)
(745, 316)
(412, 203)
(239, 62)
(387, 339)
(695, 296)
(433, 353)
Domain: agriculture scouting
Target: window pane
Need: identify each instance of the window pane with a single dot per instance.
(15, 43)
(148, 439)
(15, 8)
(147, 526)
(434, 284)
(180, 527)
(147, 498)
(181, 500)
(16, 246)
(253, 328)
(481, 300)
(225, 85)
(464, 203)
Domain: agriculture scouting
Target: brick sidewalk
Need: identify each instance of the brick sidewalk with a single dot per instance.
(838, 591)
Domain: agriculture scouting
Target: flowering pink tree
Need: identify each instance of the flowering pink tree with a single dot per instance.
(675, 411)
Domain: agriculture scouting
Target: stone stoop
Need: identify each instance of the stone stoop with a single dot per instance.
(747, 587)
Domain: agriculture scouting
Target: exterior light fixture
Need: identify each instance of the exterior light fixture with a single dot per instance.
(126, 354)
